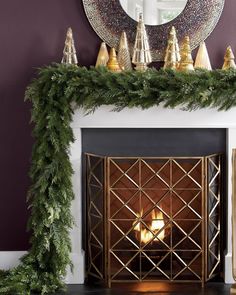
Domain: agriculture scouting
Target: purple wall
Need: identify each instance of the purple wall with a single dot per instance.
(32, 34)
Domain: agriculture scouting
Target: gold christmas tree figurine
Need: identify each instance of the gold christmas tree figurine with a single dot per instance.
(186, 60)
(141, 55)
(123, 53)
(113, 64)
(172, 56)
(229, 62)
(103, 56)
(202, 59)
(69, 52)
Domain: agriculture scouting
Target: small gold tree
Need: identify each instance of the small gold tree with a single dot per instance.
(229, 62)
(113, 64)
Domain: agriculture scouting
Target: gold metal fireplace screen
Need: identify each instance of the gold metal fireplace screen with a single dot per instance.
(153, 219)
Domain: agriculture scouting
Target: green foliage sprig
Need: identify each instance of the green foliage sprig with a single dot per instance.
(52, 93)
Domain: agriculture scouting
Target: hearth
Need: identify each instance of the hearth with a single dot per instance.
(153, 218)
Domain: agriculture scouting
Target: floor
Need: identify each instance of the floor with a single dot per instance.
(160, 289)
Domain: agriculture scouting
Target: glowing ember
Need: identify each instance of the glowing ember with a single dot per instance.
(156, 225)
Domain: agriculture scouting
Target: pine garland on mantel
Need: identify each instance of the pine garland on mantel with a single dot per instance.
(52, 93)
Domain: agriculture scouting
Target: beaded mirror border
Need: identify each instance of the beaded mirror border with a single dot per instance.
(197, 20)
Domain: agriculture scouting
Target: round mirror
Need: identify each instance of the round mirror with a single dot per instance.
(155, 12)
(193, 18)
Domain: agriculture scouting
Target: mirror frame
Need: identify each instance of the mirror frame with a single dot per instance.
(197, 20)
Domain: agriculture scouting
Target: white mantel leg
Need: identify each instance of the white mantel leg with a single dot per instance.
(77, 255)
(228, 257)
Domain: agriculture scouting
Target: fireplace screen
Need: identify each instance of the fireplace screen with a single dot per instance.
(153, 219)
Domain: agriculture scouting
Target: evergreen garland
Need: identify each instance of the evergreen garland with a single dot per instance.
(52, 93)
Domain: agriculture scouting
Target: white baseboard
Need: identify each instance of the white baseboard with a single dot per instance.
(228, 269)
(10, 259)
(77, 277)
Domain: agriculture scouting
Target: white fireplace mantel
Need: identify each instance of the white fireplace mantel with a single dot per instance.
(156, 117)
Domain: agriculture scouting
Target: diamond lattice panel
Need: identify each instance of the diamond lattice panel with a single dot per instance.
(95, 205)
(214, 197)
(155, 219)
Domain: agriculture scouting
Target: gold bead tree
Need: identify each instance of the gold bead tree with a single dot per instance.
(172, 56)
(186, 60)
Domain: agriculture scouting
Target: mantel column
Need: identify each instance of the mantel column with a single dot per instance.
(228, 255)
(77, 254)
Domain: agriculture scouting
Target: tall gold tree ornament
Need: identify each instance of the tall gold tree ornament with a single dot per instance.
(186, 60)
(124, 53)
(103, 56)
(172, 56)
(142, 54)
(229, 62)
(69, 52)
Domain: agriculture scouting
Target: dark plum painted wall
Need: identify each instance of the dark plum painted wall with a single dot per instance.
(32, 34)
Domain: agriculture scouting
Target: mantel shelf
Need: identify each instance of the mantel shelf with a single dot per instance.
(155, 117)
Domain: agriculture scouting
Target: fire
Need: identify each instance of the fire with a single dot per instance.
(156, 225)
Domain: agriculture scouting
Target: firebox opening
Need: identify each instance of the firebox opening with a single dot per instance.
(154, 214)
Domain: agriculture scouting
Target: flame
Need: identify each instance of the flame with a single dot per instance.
(156, 225)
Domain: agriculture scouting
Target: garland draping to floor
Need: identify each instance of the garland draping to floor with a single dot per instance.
(52, 93)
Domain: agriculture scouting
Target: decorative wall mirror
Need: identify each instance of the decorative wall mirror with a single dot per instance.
(195, 18)
(155, 12)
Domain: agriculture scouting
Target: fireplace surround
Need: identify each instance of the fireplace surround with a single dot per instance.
(156, 117)
(153, 218)
(139, 119)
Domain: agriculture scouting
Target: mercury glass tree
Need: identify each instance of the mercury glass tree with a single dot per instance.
(142, 54)
(69, 52)
(103, 56)
(202, 59)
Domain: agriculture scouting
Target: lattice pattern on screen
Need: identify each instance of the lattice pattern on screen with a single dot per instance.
(162, 219)
(95, 217)
(213, 215)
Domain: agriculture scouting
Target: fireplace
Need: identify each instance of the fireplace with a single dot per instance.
(153, 218)
(97, 133)
(217, 128)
